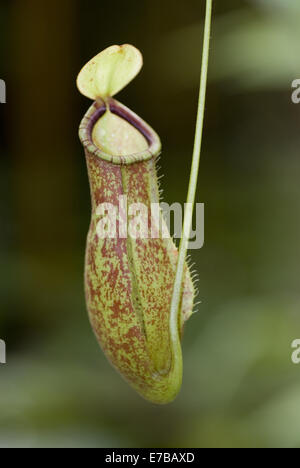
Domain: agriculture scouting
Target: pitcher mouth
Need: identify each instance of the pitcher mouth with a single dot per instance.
(93, 115)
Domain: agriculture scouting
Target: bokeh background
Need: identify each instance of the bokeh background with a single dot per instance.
(240, 387)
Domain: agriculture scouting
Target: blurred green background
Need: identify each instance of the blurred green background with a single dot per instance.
(240, 387)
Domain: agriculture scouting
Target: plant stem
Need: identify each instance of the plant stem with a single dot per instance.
(187, 224)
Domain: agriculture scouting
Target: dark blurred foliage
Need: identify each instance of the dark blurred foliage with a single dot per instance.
(240, 388)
